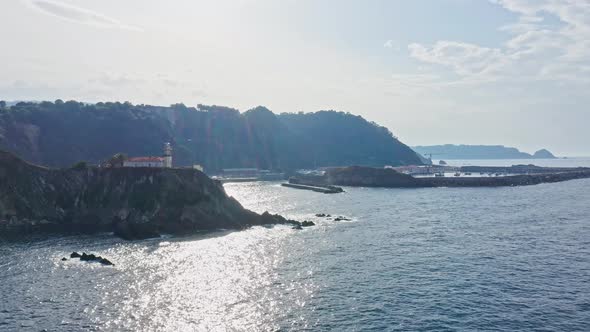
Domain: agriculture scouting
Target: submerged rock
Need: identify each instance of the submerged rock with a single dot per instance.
(105, 261)
(90, 258)
(86, 257)
(341, 218)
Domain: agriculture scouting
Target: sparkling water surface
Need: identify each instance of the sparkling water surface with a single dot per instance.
(437, 259)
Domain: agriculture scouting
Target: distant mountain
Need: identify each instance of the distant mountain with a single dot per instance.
(450, 151)
(61, 133)
(543, 154)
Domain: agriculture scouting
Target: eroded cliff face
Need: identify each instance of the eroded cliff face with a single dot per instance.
(131, 202)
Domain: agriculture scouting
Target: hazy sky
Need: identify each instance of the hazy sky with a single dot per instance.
(513, 72)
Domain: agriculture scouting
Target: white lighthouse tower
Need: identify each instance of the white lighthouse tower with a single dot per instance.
(167, 155)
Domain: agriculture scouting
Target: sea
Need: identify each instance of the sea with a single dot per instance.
(429, 259)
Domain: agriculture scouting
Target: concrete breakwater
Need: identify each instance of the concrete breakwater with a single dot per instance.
(319, 189)
(521, 169)
(502, 181)
(357, 176)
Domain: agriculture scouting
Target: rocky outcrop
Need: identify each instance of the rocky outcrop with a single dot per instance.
(133, 203)
(90, 258)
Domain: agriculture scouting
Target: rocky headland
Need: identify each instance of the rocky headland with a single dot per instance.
(133, 203)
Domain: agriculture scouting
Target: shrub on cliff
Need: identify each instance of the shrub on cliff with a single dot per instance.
(80, 166)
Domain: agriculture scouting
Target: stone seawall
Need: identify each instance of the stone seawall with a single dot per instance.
(521, 169)
(357, 176)
(502, 181)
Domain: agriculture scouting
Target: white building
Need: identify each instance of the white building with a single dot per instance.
(167, 155)
(158, 162)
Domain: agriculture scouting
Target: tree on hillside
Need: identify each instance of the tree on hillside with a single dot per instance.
(59, 134)
(80, 166)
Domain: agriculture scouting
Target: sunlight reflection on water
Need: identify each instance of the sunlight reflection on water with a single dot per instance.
(415, 259)
(218, 283)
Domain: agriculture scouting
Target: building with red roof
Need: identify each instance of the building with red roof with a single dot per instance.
(159, 162)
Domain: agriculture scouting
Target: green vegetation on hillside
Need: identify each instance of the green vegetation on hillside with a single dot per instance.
(61, 133)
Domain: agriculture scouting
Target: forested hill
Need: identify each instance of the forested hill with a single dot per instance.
(61, 133)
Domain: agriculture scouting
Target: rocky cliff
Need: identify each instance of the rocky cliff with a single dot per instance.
(62, 133)
(131, 202)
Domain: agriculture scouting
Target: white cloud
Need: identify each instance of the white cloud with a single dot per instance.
(536, 50)
(464, 58)
(117, 80)
(392, 45)
(78, 15)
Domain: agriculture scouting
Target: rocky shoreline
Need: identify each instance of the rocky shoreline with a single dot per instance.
(140, 203)
(132, 203)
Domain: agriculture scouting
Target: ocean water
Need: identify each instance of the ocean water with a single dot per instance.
(434, 259)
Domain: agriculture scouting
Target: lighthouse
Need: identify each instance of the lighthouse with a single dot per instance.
(167, 155)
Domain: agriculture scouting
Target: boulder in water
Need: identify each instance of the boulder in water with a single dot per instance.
(307, 223)
(341, 218)
(105, 261)
(90, 258)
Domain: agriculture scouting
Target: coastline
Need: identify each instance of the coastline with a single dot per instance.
(132, 203)
(358, 176)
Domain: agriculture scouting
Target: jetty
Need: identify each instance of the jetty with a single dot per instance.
(319, 189)
(521, 169)
(357, 176)
(230, 180)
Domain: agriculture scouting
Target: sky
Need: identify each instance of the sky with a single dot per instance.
(510, 72)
